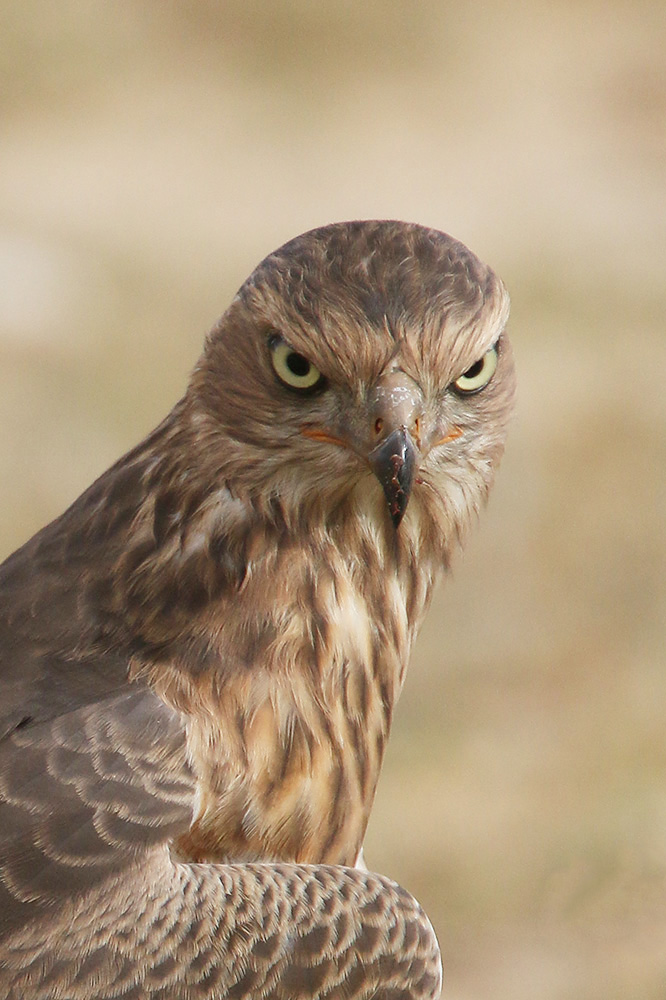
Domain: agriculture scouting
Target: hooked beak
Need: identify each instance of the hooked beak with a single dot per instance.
(397, 412)
(393, 461)
(397, 441)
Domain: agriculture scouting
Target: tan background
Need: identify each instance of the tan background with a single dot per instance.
(152, 151)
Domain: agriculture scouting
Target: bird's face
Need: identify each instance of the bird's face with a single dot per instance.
(364, 363)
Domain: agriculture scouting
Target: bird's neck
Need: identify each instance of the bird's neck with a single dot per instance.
(291, 718)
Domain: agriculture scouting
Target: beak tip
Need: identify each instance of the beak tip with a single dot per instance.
(393, 462)
(396, 515)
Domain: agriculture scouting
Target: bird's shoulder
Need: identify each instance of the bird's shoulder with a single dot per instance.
(84, 793)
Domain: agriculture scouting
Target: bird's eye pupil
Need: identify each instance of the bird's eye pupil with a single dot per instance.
(293, 368)
(474, 370)
(297, 364)
(478, 375)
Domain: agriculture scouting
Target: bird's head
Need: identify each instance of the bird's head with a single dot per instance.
(362, 363)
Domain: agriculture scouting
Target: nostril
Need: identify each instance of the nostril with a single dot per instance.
(379, 425)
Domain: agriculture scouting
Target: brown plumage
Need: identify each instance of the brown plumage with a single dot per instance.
(201, 657)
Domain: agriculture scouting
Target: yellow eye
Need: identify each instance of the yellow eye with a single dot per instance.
(293, 368)
(479, 375)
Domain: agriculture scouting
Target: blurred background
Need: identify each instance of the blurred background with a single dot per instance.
(153, 152)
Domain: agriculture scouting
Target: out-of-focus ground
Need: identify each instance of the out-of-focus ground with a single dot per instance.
(152, 152)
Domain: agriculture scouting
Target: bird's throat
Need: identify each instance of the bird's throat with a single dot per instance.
(288, 749)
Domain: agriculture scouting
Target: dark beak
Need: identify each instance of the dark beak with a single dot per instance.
(393, 462)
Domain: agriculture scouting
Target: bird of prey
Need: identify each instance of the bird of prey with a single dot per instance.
(200, 659)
